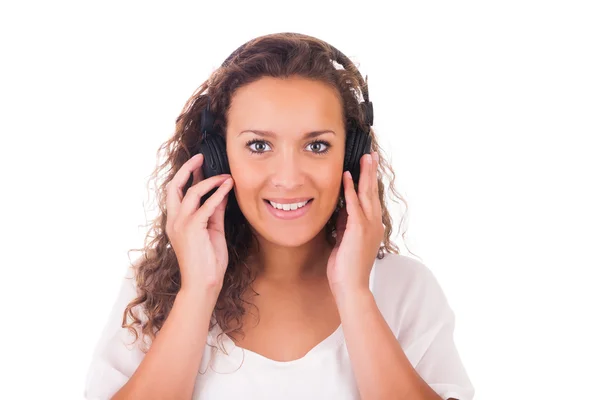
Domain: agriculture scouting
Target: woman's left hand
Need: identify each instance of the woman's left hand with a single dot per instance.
(359, 229)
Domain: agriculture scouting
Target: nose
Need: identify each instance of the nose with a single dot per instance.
(286, 171)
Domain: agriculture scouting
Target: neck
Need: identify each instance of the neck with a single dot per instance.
(282, 264)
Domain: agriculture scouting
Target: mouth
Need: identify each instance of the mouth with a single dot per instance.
(288, 208)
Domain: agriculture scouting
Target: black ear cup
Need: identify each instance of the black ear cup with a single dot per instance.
(215, 159)
(362, 147)
(215, 155)
(350, 138)
(358, 143)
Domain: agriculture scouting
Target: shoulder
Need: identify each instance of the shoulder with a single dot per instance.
(400, 277)
(117, 353)
(408, 295)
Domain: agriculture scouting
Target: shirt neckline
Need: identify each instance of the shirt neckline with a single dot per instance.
(330, 343)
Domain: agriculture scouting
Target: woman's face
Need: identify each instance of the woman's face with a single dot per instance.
(285, 145)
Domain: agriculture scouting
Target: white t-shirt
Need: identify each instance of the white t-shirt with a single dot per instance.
(408, 296)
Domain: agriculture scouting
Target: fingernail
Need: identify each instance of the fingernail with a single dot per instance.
(369, 159)
(376, 156)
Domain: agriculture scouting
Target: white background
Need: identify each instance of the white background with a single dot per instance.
(490, 112)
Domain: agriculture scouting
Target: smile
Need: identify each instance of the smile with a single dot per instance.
(288, 210)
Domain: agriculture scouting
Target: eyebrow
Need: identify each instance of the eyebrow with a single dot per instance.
(308, 135)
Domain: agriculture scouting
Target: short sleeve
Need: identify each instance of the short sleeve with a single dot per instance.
(431, 348)
(116, 356)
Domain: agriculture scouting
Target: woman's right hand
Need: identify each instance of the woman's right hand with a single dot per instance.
(197, 233)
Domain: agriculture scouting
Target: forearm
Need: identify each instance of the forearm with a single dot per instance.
(170, 367)
(381, 368)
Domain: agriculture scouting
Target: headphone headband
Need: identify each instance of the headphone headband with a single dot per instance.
(338, 57)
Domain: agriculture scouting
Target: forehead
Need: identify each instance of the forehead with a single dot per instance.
(284, 105)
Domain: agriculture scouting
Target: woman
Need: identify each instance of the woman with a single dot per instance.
(270, 272)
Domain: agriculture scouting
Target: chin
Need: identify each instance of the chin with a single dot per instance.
(293, 237)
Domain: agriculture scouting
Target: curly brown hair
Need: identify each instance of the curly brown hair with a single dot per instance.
(156, 272)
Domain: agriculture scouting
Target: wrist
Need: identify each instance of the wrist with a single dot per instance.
(206, 293)
(346, 293)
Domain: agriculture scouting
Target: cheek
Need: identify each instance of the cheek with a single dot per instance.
(248, 182)
(328, 179)
(329, 183)
(247, 179)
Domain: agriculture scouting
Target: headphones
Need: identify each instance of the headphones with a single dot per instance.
(212, 143)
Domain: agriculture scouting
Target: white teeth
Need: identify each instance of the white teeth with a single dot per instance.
(288, 207)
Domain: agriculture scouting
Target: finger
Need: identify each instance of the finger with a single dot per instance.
(375, 187)
(191, 201)
(376, 201)
(363, 182)
(208, 210)
(352, 205)
(217, 220)
(365, 185)
(175, 186)
(197, 176)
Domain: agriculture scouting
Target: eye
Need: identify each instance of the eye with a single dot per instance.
(318, 147)
(257, 146)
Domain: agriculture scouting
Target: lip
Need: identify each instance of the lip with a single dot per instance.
(291, 200)
(287, 215)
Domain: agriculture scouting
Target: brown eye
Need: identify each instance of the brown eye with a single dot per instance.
(318, 147)
(257, 146)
